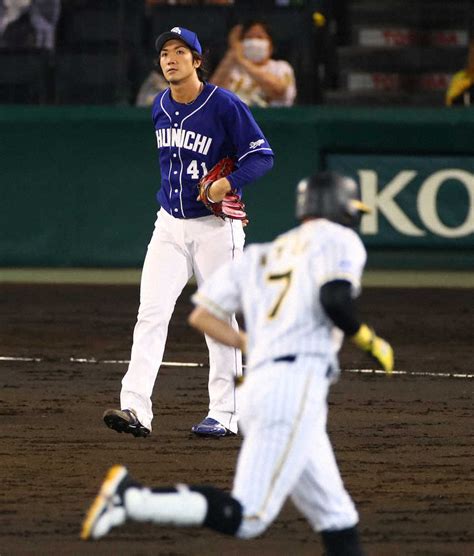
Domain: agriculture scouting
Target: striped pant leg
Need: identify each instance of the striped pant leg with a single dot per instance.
(319, 493)
(280, 422)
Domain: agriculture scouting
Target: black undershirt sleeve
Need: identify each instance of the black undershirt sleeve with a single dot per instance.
(339, 305)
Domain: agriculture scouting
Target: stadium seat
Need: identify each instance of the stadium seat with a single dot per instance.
(91, 78)
(210, 23)
(24, 76)
(84, 23)
(400, 57)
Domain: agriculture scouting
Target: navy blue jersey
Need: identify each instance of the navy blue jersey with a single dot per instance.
(192, 138)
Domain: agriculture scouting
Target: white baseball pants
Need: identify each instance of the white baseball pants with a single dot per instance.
(286, 450)
(178, 249)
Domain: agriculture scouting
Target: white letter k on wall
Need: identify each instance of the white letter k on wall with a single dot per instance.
(384, 202)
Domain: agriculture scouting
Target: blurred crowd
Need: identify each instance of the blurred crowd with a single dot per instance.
(28, 23)
(247, 69)
(246, 53)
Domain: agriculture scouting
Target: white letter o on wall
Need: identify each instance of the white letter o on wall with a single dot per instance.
(427, 206)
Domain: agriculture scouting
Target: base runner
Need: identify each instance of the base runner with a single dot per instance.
(293, 292)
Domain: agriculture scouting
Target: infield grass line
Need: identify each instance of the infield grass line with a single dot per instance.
(131, 276)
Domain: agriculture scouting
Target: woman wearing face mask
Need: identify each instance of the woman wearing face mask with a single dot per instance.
(249, 71)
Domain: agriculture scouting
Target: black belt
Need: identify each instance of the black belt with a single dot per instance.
(285, 359)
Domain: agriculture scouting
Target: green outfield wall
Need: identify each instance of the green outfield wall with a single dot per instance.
(78, 184)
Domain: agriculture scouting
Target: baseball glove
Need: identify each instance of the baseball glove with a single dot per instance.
(231, 206)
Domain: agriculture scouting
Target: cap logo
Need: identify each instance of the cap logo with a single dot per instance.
(176, 30)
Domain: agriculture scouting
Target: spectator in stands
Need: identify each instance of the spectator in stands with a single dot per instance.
(248, 69)
(461, 88)
(28, 23)
(153, 84)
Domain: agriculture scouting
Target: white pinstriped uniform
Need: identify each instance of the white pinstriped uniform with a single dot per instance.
(286, 450)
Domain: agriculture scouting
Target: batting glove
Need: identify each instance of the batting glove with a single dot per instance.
(366, 339)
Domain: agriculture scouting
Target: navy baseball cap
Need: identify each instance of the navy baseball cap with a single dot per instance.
(182, 34)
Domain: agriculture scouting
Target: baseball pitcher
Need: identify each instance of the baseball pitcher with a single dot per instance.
(209, 148)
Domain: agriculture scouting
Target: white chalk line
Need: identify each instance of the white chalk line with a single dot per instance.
(93, 360)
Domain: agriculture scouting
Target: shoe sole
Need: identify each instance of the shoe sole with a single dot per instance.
(213, 434)
(114, 477)
(121, 424)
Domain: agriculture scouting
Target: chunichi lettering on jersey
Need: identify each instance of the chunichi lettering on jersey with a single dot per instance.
(183, 139)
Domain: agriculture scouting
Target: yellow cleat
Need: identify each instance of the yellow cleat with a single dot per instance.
(108, 509)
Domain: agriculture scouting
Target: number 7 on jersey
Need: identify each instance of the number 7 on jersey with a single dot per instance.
(284, 282)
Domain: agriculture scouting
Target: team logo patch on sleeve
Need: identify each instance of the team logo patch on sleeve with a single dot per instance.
(345, 264)
(255, 144)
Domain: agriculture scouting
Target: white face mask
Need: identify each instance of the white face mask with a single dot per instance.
(256, 50)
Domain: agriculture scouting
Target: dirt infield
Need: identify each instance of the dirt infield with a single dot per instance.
(404, 444)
